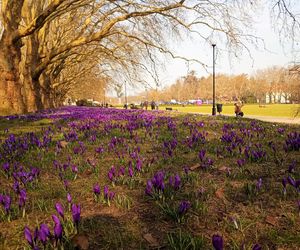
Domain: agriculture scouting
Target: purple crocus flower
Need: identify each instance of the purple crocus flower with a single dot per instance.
(96, 189)
(259, 184)
(111, 195)
(122, 171)
(44, 233)
(186, 170)
(60, 210)
(177, 181)
(16, 186)
(66, 184)
(35, 235)
(76, 213)
(292, 166)
(7, 203)
(202, 154)
(241, 162)
(28, 236)
(284, 182)
(58, 230)
(69, 198)
(183, 207)
(139, 165)
(74, 169)
(105, 191)
(217, 242)
(148, 190)
(256, 247)
(130, 171)
(5, 166)
(291, 181)
(22, 197)
(55, 219)
(110, 176)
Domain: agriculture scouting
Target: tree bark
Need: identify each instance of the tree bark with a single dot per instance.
(10, 83)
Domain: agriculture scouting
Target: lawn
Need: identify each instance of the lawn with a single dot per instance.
(104, 178)
(276, 110)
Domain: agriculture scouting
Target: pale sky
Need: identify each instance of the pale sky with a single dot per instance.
(273, 54)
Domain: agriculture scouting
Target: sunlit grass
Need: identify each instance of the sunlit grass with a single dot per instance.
(276, 110)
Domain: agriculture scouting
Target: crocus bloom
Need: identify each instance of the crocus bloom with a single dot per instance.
(96, 189)
(28, 236)
(22, 197)
(76, 213)
(241, 162)
(217, 242)
(148, 190)
(122, 171)
(259, 184)
(291, 181)
(111, 195)
(58, 229)
(256, 247)
(60, 210)
(5, 166)
(55, 219)
(202, 154)
(69, 198)
(105, 191)
(177, 181)
(7, 203)
(44, 233)
(130, 171)
(284, 182)
(183, 207)
(74, 169)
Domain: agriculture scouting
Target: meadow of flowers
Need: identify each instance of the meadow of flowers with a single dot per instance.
(97, 178)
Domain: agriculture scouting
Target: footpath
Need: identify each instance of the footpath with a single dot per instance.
(272, 119)
(290, 120)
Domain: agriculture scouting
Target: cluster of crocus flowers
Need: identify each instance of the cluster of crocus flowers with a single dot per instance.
(112, 173)
(157, 182)
(42, 234)
(184, 206)
(5, 200)
(76, 211)
(292, 143)
(175, 181)
(107, 194)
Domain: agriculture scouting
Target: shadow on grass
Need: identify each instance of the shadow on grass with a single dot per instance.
(108, 232)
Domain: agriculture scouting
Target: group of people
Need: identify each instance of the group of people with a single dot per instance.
(153, 105)
(143, 105)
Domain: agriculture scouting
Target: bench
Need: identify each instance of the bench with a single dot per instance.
(168, 108)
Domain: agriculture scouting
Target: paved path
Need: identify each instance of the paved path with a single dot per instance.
(289, 120)
(295, 120)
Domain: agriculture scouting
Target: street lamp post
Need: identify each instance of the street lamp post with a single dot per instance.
(125, 93)
(104, 96)
(214, 83)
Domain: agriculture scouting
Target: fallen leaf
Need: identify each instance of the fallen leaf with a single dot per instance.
(271, 220)
(195, 167)
(80, 241)
(151, 240)
(220, 193)
(223, 169)
(64, 144)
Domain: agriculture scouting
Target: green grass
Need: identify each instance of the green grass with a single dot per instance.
(275, 110)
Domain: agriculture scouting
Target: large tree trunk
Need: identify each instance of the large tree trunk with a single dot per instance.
(10, 82)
